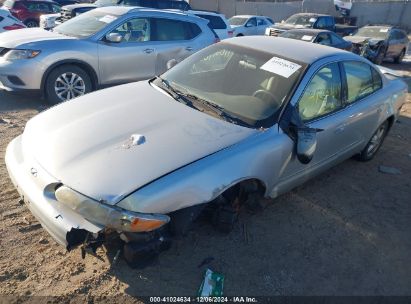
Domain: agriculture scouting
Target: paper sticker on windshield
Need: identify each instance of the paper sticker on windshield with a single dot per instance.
(384, 30)
(280, 67)
(306, 38)
(107, 19)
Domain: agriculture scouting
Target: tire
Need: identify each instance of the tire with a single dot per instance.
(60, 85)
(375, 143)
(380, 57)
(400, 57)
(31, 23)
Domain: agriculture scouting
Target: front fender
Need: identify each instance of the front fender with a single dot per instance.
(260, 157)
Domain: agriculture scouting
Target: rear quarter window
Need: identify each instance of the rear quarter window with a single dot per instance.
(216, 22)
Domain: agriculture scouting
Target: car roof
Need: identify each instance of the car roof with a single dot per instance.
(122, 10)
(204, 12)
(310, 14)
(247, 16)
(289, 48)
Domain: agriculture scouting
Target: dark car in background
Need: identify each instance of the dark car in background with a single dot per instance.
(379, 42)
(71, 11)
(327, 38)
(29, 11)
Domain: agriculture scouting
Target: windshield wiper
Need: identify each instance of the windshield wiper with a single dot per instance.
(188, 99)
(177, 95)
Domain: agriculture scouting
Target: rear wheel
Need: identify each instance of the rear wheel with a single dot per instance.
(67, 82)
(400, 57)
(31, 23)
(375, 143)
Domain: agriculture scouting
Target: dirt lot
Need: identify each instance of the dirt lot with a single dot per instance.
(347, 232)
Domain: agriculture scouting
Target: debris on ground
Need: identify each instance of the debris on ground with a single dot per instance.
(5, 120)
(389, 170)
(212, 285)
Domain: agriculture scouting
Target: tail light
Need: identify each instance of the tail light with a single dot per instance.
(230, 33)
(13, 27)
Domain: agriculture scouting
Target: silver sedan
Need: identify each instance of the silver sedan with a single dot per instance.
(103, 47)
(247, 117)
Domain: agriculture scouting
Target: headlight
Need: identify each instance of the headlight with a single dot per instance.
(21, 54)
(107, 215)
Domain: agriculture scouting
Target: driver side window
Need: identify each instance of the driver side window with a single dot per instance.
(322, 95)
(134, 30)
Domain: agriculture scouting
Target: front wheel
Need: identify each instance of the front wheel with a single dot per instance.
(31, 23)
(67, 82)
(375, 143)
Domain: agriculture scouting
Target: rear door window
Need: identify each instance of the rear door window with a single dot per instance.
(261, 21)
(173, 30)
(361, 80)
(38, 7)
(216, 22)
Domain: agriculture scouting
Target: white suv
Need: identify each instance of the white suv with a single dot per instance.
(218, 22)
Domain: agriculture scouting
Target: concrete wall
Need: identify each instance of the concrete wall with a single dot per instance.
(388, 12)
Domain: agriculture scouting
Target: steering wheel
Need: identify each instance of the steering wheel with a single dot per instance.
(265, 96)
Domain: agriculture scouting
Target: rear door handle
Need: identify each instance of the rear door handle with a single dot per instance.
(148, 51)
(189, 48)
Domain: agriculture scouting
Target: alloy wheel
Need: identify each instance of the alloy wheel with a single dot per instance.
(376, 140)
(69, 85)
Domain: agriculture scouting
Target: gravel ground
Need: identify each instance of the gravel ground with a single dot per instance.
(346, 232)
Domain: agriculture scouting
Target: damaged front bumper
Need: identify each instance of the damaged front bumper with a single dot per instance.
(36, 186)
(70, 217)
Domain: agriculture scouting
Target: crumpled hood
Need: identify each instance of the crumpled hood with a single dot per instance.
(87, 143)
(27, 37)
(361, 39)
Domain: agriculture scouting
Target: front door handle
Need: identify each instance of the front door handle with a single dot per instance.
(189, 48)
(148, 51)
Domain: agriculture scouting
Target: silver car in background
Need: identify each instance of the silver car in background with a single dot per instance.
(246, 117)
(103, 47)
(248, 25)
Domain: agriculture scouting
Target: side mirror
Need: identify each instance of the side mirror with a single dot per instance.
(171, 63)
(304, 137)
(114, 37)
(306, 144)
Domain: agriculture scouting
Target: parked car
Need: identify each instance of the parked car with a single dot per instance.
(218, 23)
(8, 22)
(380, 42)
(310, 20)
(106, 46)
(323, 37)
(246, 25)
(29, 11)
(71, 11)
(242, 118)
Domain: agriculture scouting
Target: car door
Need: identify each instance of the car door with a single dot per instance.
(174, 39)
(364, 101)
(250, 27)
(261, 26)
(131, 59)
(320, 106)
(392, 44)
